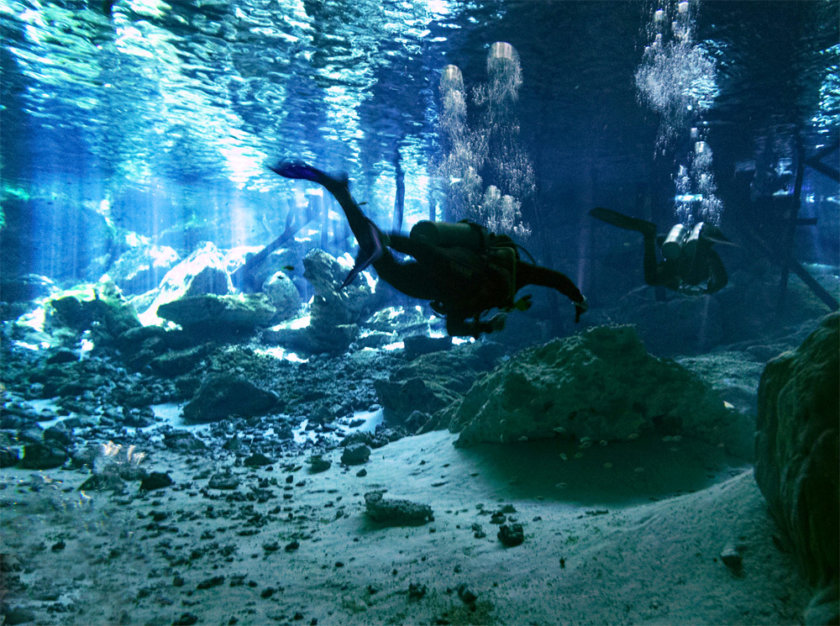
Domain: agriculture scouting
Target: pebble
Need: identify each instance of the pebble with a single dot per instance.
(511, 535)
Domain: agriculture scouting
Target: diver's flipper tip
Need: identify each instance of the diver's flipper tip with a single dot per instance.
(623, 221)
(297, 170)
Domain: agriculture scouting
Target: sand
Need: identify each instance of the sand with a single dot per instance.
(624, 533)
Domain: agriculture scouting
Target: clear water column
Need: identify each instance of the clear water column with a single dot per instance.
(676, 78)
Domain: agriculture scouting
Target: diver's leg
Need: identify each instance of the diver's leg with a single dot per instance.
(650, 264)
(340, 190)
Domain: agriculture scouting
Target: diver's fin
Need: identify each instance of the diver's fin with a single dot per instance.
(299, 170)
(365, 258)
(623, 221)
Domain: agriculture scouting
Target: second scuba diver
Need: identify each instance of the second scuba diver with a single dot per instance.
(689, 265)
(461, 268)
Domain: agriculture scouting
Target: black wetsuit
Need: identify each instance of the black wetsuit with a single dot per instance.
(459, 282)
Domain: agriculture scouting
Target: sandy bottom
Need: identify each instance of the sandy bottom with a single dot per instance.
(617, 534)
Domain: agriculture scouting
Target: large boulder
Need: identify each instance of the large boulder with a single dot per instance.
(283, 294)
(798, 453)
(142, 267)
(222, 395)
(219, 314)
(202, 272)
(600, 384)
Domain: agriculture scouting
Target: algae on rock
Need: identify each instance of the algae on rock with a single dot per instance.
(600, 384)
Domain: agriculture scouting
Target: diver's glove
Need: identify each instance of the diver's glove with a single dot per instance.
(581, 308)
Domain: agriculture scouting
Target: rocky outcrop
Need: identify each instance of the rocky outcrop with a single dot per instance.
(222, 396)
(600, 384)
(335, 314)
(434, 381)
(797, 450)
(244, 312)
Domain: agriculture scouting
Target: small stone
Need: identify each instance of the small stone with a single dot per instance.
(18, 615)
(292, 546)
(467, 596)
(731, 557)
(318, 464)
(58, 546)
(355, 454)
(186, 619)
(225, 481)
(511, 535)
(156, 480)
(209, 583)
(396, 512)
(416, 591)
(257, 460)
(361, 473)
(267, 592)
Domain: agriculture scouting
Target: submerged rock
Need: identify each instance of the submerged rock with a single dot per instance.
(39, 456)
(219, 314)
(393, 512)
(601, 384)
(798, 450)
(222, 395)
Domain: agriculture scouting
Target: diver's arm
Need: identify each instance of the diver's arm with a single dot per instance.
(529, 274)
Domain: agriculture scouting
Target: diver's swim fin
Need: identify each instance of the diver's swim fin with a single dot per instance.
(623, 221)
(299, 170)
(364, 259)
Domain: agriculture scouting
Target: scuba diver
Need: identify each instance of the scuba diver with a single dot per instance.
(461, 268)
(689, 264)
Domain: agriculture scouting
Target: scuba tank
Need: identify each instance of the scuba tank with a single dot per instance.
(673, 244)
(449, 235)
(693, 239)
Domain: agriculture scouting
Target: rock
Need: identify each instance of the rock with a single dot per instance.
(223, 480)
(108, 481)
(416, 591)
(318, 464)
(334, 315)
(37, 456)
(25, 288)
(100, 304)
(156, 480)
(209, 583)
(209, 281)
(466, 595)
(283, 295)
(177, 362)
(394, 512)
(183, 441)
(179, 280)
(142, 267)
(798, 450)
(257, 460)
(511, 535)
(17, 615)
(600, 384)
(417, 345)
(8, 457)
(218, 315)
(222, 395)
(355, 454)
(186, 619)
(731, 557)
(433, 381)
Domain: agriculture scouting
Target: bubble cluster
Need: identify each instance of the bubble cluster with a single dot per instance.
(489, 153)
(677, 79)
